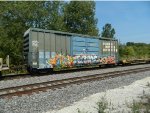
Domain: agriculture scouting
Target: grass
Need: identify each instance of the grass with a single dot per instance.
(136, 107)
(101, 106)
(79, 111)
(144, 105)
(12, 71)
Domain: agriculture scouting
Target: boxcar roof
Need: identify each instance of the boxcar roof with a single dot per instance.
(65, 33)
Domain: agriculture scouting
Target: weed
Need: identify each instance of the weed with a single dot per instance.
(102, 105)
(142, 106)
(135, 108)
(148, 84)
(79, 111)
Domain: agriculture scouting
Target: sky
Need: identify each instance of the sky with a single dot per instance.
(131, 20)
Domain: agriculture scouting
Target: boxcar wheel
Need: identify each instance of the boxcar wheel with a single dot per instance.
(45, 71)
(32, 71)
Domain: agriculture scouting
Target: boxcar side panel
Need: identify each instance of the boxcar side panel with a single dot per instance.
(52, 43)
(63, 45)
(68, 46)
(78, 45)
(108, 50)
(47, 49)
(33, 51)
(41, 41)
(85, 51)
(58, 43)
(60, 57)
(41, 51)
(47, 42)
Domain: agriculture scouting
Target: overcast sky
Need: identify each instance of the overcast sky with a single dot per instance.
(131, 20)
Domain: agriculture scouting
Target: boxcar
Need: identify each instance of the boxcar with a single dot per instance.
(45, 50)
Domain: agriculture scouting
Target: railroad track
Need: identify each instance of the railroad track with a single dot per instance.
(44, 86)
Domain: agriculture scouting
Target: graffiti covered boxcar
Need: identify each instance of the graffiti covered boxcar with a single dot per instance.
(45, 50)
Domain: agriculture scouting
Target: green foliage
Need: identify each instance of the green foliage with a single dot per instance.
(139, 50)
(108, 31)
(121, 50)
(79, 111)
(134, 50)
(102, 105)
(142, 106)
(79, 17)
(129, 51)
(136, 107)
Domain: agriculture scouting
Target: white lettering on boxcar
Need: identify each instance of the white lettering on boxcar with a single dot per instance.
(35, 43)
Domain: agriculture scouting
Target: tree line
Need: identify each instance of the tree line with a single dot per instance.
(132, 50)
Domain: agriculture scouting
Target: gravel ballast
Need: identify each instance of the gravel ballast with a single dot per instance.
(118, 100)
(59, 98)
(39, 79)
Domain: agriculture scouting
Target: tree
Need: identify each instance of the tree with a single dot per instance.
(129, 51)
(55, 15)
(79, 17)
(134, 50)
(108, 31)
(121, 50)
(130, 43)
